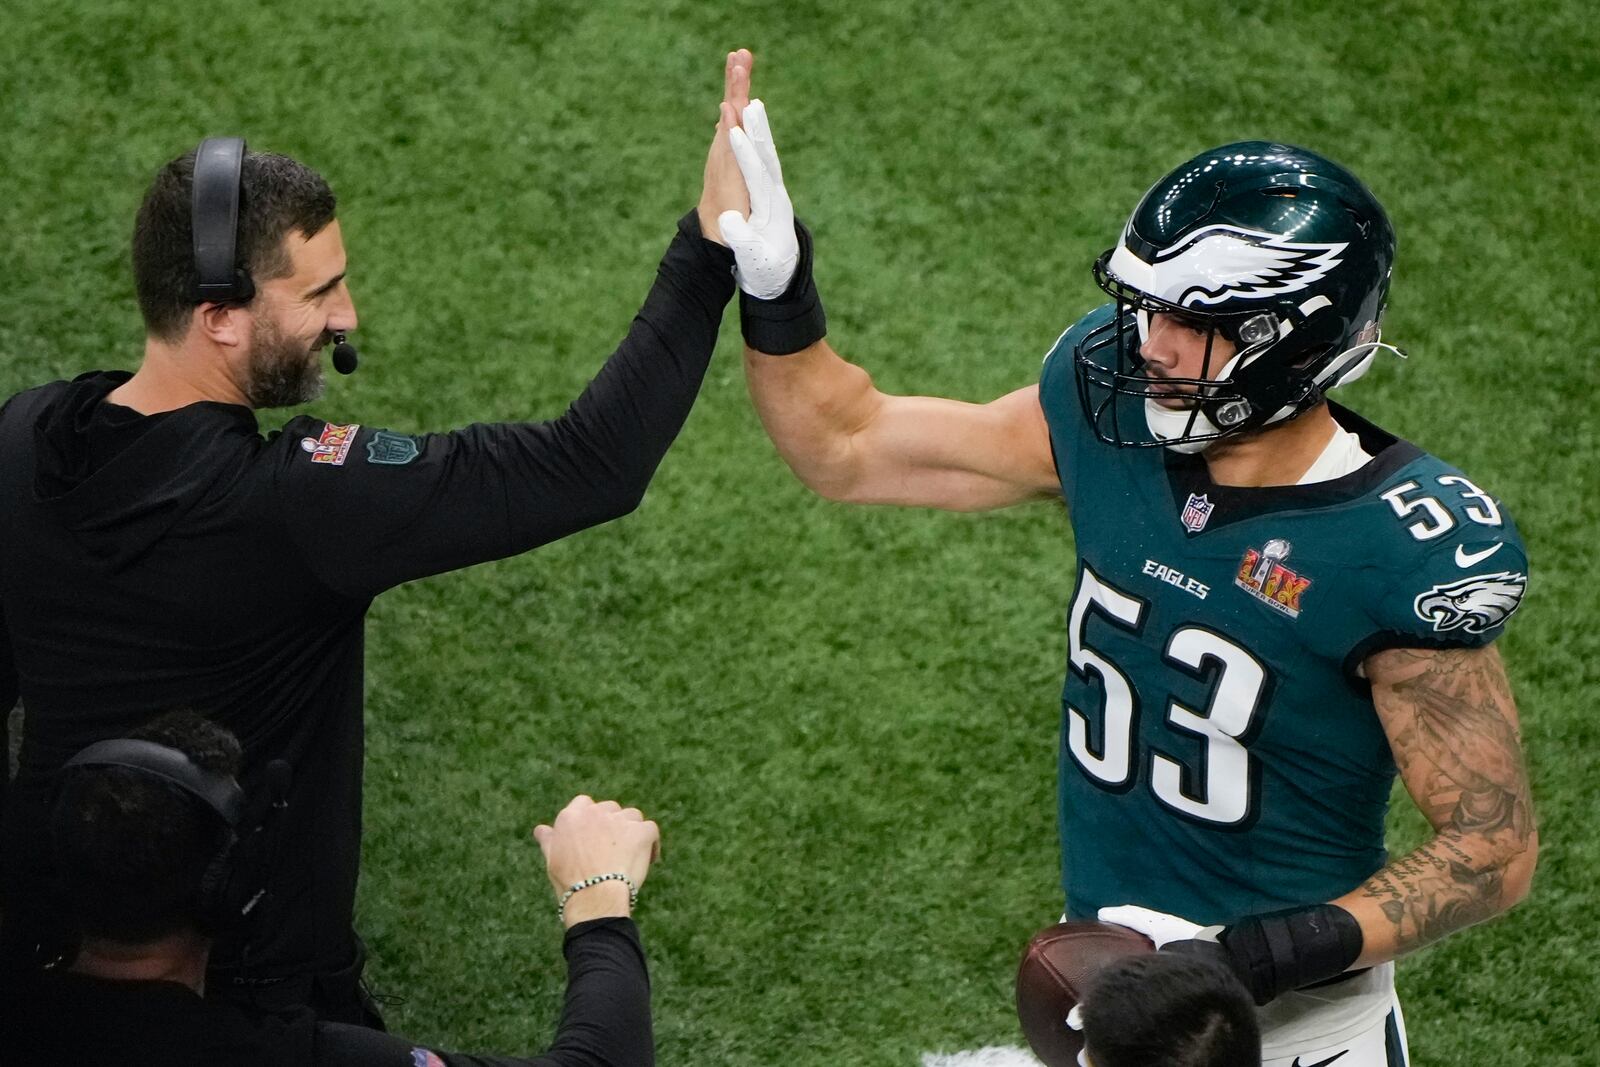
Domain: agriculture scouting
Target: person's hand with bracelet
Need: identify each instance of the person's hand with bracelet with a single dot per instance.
(597, 856)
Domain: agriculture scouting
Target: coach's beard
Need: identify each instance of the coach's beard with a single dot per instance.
(282, 372)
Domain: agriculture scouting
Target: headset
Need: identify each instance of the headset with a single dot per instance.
(214, 220)
(234, 882)
(214, 217)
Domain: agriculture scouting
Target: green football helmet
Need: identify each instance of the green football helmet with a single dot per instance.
(1281, 251)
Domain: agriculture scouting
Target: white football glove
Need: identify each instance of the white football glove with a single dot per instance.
(1075, 1022)
(1158, 926)
(765, 249)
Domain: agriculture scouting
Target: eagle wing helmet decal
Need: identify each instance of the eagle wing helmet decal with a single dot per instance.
(1473, 604)
(1222, 263)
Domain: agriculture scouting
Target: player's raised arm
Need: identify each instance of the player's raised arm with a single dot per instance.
(1452, 725)
(848, 441)
(843, 438)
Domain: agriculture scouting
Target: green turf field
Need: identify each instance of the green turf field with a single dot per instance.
(844, 720)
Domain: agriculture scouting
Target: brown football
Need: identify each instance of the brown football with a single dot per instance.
(1057, 963)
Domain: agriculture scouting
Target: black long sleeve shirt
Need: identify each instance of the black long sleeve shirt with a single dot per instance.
(68, 1020)
(184, 560)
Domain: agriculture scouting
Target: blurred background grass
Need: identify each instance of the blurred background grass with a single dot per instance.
(845, 720)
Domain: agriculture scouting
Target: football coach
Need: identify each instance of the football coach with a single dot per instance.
(156, 550)
(157, 847)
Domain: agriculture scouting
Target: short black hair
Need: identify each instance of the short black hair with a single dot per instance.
(277, 196)
(1163, 1010)
(131, 850)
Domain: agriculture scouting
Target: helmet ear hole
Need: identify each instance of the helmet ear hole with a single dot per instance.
(1311, 358)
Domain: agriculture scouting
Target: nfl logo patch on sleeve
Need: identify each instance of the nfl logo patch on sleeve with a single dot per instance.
(392, 449)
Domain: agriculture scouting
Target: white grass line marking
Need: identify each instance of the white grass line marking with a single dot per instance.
(991, 1056)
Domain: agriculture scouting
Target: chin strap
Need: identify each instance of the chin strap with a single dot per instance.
(1353, 363)
(1172, 426)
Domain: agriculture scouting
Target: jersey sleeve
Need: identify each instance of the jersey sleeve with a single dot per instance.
(1072, 440)
(1463, 573)
(370, 508)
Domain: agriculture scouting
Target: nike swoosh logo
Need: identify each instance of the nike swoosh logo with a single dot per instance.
(1319, 1063)
(1466, 559)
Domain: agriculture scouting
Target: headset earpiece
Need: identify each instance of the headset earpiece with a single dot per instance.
(215, 909)
(214, 207)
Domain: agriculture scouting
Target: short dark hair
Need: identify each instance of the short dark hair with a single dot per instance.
(278, 196)
(131, 850)
(1163, 1010)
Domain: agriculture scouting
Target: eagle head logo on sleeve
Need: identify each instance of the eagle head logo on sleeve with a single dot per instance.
(1474, 604)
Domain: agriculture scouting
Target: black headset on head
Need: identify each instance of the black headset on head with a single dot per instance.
(218, 163)
(232, 886)
(214, 219)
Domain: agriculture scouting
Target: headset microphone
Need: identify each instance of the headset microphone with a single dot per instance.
(344, 355)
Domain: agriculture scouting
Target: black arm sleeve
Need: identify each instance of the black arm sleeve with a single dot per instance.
(370, 509)
(8, 700)
(605, 1023)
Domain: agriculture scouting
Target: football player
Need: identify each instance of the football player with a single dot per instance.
(1278, 604)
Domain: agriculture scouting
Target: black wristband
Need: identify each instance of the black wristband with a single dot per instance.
(792, 320)
(1273, 954)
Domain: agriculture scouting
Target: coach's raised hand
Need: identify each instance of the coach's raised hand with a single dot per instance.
(598, 855)
(724, 189)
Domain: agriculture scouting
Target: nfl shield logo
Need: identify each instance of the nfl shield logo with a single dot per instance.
(392, 449)
(1196, 512)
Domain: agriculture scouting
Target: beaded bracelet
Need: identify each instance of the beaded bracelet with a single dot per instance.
(614, 876)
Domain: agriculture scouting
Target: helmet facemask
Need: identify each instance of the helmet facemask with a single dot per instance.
(1220, 406)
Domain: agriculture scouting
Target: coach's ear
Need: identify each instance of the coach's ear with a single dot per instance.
(224, 325)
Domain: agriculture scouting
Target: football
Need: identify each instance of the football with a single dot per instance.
(1057, 963)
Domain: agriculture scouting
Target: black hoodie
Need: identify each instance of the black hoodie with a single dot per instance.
(184, 560)
(62, 1019)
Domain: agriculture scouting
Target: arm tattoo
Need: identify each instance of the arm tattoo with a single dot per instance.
(1452, 726)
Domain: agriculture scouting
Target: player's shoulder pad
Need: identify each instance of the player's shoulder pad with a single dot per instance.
(1452, 557)
(1058, 379)
(1059, 357)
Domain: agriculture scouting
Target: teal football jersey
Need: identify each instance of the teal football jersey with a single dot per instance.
(1220, 753)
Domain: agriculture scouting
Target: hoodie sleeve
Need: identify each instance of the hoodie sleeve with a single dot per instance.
(605, 1021)
(371, 508)
(8, 700)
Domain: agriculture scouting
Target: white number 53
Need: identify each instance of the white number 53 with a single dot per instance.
(1221, 789)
